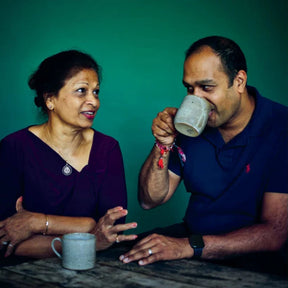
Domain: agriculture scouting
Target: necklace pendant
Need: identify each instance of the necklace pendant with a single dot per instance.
(67, 169)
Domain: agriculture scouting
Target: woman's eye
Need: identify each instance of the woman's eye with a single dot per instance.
(96, 92)
(81, 90)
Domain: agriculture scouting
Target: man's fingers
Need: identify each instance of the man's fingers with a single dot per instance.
(9, 250)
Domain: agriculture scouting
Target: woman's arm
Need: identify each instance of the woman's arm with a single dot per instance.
(37, 246)
(112, 203)
(24, 224)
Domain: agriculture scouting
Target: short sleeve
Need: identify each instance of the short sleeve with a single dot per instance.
(278, 169)
(113, 191)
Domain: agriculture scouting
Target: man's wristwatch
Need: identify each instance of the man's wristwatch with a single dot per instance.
(197, 243)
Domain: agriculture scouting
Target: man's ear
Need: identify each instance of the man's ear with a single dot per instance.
(240, 81)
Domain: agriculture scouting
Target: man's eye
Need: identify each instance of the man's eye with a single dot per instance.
(207, 88)
(190, 90)
(96, 92)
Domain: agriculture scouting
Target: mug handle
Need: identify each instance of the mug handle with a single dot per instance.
(53, 248)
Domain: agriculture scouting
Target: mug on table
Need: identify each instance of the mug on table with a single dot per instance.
(78, 250)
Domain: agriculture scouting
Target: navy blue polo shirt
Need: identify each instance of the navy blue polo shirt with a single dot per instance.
(227, 181)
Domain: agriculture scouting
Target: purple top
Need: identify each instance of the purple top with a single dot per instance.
(29, 167)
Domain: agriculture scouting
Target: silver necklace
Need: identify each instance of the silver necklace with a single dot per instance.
(67, 169)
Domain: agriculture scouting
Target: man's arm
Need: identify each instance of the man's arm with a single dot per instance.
(269, 235)
(157, 185)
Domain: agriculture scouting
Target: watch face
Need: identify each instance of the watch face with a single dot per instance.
(196, 241)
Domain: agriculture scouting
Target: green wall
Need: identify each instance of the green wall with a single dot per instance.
(140, 46)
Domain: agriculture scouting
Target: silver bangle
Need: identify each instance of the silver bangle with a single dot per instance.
(46, 225)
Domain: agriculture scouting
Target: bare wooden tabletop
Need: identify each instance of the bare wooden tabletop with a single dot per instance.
(110, 272)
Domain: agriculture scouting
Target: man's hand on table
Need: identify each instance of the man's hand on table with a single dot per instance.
(157, 247)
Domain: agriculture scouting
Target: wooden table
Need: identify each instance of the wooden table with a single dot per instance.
(110, 272)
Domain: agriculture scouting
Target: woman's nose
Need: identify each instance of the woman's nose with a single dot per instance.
(92, 99)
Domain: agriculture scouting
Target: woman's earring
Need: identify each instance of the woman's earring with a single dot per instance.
(50, 107)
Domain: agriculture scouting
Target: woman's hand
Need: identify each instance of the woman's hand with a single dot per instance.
(17, 228)
(107, 233)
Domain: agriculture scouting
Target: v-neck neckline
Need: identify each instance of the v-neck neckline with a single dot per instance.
(58, 155)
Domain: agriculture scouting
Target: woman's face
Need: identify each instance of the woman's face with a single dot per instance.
(77, 101)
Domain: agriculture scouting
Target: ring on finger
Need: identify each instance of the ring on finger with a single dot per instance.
(117, 239)
(11, 245)
(150, 252)
(4, 243)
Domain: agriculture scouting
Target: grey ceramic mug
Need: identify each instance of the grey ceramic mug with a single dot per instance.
(78, 250)
(192, 115)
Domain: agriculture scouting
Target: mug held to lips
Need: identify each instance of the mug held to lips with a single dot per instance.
(192, 115)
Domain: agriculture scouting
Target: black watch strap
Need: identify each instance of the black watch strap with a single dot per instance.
(197, 243)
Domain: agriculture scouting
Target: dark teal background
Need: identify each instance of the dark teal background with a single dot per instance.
(140, 46)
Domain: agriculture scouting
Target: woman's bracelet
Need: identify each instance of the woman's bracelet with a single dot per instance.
(46, 225)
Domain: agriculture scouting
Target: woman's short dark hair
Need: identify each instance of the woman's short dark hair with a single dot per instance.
(52, 73)
(232, 57)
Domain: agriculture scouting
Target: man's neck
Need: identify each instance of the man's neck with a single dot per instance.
(238, 124)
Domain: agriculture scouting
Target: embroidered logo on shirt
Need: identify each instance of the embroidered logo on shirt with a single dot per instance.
(248, 168)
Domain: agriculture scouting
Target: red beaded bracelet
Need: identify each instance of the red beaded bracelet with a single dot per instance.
(164, 149)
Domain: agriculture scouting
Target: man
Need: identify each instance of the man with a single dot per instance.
(236, 170)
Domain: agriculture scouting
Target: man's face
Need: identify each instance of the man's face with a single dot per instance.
(205, 77)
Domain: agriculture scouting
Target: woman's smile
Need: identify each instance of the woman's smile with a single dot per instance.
(90, 115)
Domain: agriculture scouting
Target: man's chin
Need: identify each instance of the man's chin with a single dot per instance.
(212, 124)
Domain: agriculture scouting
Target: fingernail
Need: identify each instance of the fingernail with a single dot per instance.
(126, 260)
(141, 262)
(134, 225)
(121, 257)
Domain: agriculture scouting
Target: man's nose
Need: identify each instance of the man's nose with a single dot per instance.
(198, 92)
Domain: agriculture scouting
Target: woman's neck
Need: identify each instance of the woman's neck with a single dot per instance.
(68, 143)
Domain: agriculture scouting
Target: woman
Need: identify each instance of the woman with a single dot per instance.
(66, 176)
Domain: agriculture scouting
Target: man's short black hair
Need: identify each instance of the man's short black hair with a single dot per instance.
(232, 57)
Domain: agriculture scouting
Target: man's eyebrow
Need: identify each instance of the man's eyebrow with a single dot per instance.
(205, 82)
(200, 82)
(185, 83)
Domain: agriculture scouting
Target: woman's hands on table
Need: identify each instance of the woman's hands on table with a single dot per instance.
(17, 228)
(24, 224)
